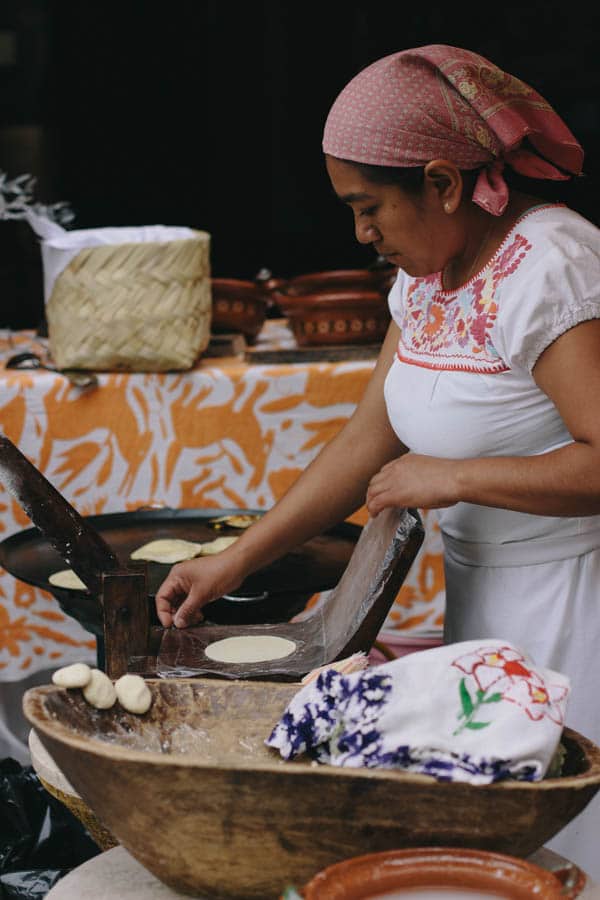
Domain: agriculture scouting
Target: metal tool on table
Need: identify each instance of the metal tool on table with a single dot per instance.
(29, 360)
(348, 620)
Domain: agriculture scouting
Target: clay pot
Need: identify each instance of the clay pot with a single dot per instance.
(335, 280)
(238, 306)
(330, 280)
(340, 306)
(344, 317)
(451, 871)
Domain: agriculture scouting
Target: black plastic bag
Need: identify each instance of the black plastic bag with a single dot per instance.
(32, 884)
(40, 839)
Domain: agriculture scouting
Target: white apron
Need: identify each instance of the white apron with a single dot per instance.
(461, 387)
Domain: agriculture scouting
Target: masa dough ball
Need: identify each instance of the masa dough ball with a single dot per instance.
(217, 546)
(167, 550)
(133, 693)
(74, 676)
(100, 691)
(67, 578)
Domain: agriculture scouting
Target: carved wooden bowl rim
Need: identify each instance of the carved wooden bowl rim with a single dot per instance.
(44, 722)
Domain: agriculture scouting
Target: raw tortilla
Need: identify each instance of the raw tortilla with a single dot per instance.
(167, 550)
(241, 521)
(67, 578)
(217, 545)
(250, 648)
(174, 550)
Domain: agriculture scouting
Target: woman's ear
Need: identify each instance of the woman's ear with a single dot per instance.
(445, 180)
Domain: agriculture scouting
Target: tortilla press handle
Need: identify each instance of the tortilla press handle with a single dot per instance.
(82, 548)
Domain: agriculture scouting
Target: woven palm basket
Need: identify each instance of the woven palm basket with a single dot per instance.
(138, 307)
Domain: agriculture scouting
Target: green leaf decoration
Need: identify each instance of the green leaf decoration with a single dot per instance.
(493, 698)
(465, 698)
(474, 726)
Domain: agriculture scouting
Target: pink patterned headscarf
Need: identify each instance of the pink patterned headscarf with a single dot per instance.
(441, 102)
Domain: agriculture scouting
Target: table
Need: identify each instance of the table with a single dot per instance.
(227, 433)
(115, 873)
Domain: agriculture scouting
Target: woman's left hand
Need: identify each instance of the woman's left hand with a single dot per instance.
(413, 480)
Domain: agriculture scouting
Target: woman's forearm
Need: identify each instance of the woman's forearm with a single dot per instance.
(327, 492)
(334, 485)
(563, 482)
(331, 488)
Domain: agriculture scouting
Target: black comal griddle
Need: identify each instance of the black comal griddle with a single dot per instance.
(274, 594)
(372, 569)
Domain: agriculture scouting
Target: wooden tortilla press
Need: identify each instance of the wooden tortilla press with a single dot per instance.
(347, 622)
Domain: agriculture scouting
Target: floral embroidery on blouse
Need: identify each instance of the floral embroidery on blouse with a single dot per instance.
(454, 329)
(501, 674)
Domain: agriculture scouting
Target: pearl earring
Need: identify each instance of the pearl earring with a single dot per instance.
(447, 207)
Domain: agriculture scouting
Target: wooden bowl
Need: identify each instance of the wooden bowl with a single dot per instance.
(238, 306)
(53, 781)
(192, 792)
(344, 317)
(454, 873)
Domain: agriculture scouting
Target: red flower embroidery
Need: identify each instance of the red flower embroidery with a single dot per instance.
(502, 674)
(454, 329)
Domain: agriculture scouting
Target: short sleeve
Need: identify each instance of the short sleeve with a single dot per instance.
(558, 288)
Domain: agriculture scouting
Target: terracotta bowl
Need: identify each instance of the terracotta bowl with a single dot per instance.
(344, 317)
(190, 790)
(338, 280)
(454, 873)
(238, 306)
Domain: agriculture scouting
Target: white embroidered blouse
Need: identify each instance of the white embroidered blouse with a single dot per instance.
(461, 384)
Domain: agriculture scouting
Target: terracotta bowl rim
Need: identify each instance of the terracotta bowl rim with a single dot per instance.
(235, 282)
(425, 866)
(39, 718)
(333, 274)
(231, 289)
(334, 300)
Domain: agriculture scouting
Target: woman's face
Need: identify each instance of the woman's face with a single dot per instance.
(411, 231)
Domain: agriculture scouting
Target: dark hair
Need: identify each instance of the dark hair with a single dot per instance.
(411, 180)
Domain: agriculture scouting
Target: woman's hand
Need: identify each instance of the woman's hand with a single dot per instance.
(191, 585)
(413, 480)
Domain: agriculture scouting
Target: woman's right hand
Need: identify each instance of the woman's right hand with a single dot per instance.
(191, 585)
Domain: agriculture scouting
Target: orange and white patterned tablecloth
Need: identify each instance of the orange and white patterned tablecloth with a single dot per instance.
(226, 433)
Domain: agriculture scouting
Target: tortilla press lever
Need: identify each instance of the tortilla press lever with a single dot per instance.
(122, 591)
(82, 548)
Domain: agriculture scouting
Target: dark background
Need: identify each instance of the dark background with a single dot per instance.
(209, 114)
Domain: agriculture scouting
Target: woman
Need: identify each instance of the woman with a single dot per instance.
(485, 401)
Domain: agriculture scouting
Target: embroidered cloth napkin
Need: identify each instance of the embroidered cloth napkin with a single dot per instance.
(477, 711)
